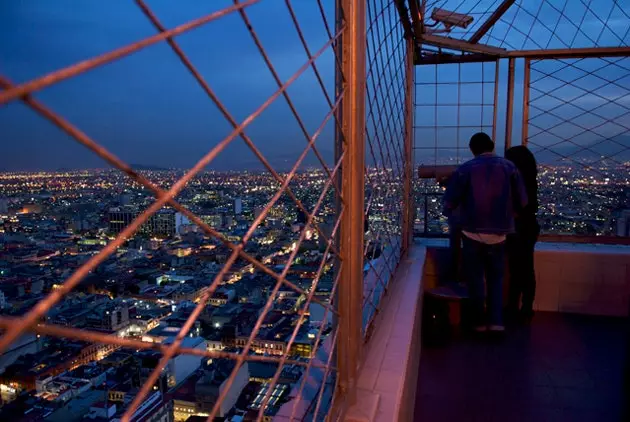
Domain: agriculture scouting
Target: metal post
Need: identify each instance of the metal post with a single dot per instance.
(572, 53)
(496, 101)
(510, 105)
(489, 23)
(526, 77)
(409, 199)
(426, 214)
(339, 147)
(350, 294)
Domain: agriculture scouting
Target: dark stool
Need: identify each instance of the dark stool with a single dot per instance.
(453, 294)
(442, 313)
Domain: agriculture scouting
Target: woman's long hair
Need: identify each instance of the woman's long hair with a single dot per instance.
(525, 162)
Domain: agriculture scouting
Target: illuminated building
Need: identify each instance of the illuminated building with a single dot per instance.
(213, 220)
(32, 209)
(623, 223)
(162, 224)
(238, 206)
(110, 317)
(120, 217)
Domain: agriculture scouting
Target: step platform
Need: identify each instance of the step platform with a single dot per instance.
(453, 294)
(442, 313)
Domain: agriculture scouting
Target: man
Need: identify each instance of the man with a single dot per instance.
(488, 192)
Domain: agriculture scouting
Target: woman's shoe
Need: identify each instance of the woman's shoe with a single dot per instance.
(512, 316)
(526, 316)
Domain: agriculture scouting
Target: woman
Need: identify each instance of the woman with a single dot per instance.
(454, 236)
(521, 244)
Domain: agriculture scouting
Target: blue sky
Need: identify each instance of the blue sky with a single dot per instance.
(147, 108)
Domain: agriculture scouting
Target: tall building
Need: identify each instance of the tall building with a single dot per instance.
(181, 223)
(257, 212)
(4, 206)
(301, 217)
(163, 223)
(120, 217)
(111, 317)
(124, 199)
(227, 221)
(623, 223)
(79, 224)
(238, 206)
(213, 220)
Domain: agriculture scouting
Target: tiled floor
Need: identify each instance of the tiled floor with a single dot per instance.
(561, 368)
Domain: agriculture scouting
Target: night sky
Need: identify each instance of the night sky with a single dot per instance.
(147, 108)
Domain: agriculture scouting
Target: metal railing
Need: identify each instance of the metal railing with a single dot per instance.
(430, 221)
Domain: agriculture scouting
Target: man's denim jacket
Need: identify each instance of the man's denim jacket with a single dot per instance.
(489, 191)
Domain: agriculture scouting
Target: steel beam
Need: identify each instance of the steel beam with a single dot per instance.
(571, 53)
(485, 27)
(417, 18)
(526, 79)
(349, 297)
(404, 18)
(510, 105)
(445, 58)
(495, 105)
(462, 45)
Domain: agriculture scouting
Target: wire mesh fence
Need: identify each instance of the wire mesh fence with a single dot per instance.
(297, 346)
(577, 126)
(574, 120)
(386, 94)
(572, 114)
(452, 102)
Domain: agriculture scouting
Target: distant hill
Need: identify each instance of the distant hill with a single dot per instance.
(280, 162)
(143, 167)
